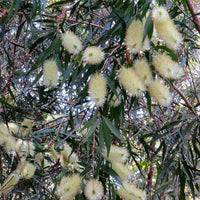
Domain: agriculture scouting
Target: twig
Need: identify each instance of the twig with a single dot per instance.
(196, 19)
(186, 100)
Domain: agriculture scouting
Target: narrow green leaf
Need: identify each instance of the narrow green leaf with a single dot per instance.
(112, 128)
(107, 137)
(148, 28)
(59, 3)
(111, 85)
(54, 45)
(91, 131)
(112, 173)
(13, 10)
(148, 102)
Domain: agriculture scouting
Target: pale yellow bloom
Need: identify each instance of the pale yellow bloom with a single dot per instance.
(134, 37)
(131, 82)
(167, 67)
(66, 156)
(129, 192)
(50, 72)
(93, 55)
(143, 70)
(165, 28)
(98, 89)
(41, 161)
(116, 154)
(26, 127)
(94, 190)
(3, 129)
(160, 15)
(26, 170)
(71, 43)
(116, 99)
(160, 92)
(122, 170)
(9, 183)
(69, 187)
(24, 148)
(10, 143)
(14, 128)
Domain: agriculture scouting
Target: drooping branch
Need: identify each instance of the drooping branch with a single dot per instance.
(195, 17)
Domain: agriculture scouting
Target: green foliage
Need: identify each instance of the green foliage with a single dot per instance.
(163, 141)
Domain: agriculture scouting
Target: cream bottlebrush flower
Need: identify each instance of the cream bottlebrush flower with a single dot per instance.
(143, 70)
(115, 100)
(28, 171)
(41, 161)
(122, 170)
(50, 72)
(26, 127)
(160, 15)
(24, 148)
(69, 187)
(116, 154)
(165, 28)
(131, 82)
(53, 154)
(160, 92)
(9, 183)
(129, 192)
(3, 129)
(134, 36)
(66, 155)
(167, 67)
(25, 169)
(14, 128)
(93, 55)
(10, 143)
(98, 89)
(94, 190)
(71, 43)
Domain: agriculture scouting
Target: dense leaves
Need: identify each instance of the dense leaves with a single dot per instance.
(68, 131)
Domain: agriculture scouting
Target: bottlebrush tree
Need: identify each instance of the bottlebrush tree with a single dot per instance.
(100, 100)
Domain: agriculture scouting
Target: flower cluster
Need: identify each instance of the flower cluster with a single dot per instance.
(94, 190)
(160, 92)
(69, 187)
(167, 67)
(139, 78)
(134, 37)
(165, 27)
(50, 73)
(131, 81)
(92, 55)
(71, 43)
(98, 89)
(129, 192)
(118, 156)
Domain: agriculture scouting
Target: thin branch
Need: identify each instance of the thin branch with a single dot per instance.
(196, 19)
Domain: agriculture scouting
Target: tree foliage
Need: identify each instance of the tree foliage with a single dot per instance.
(50, 133)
